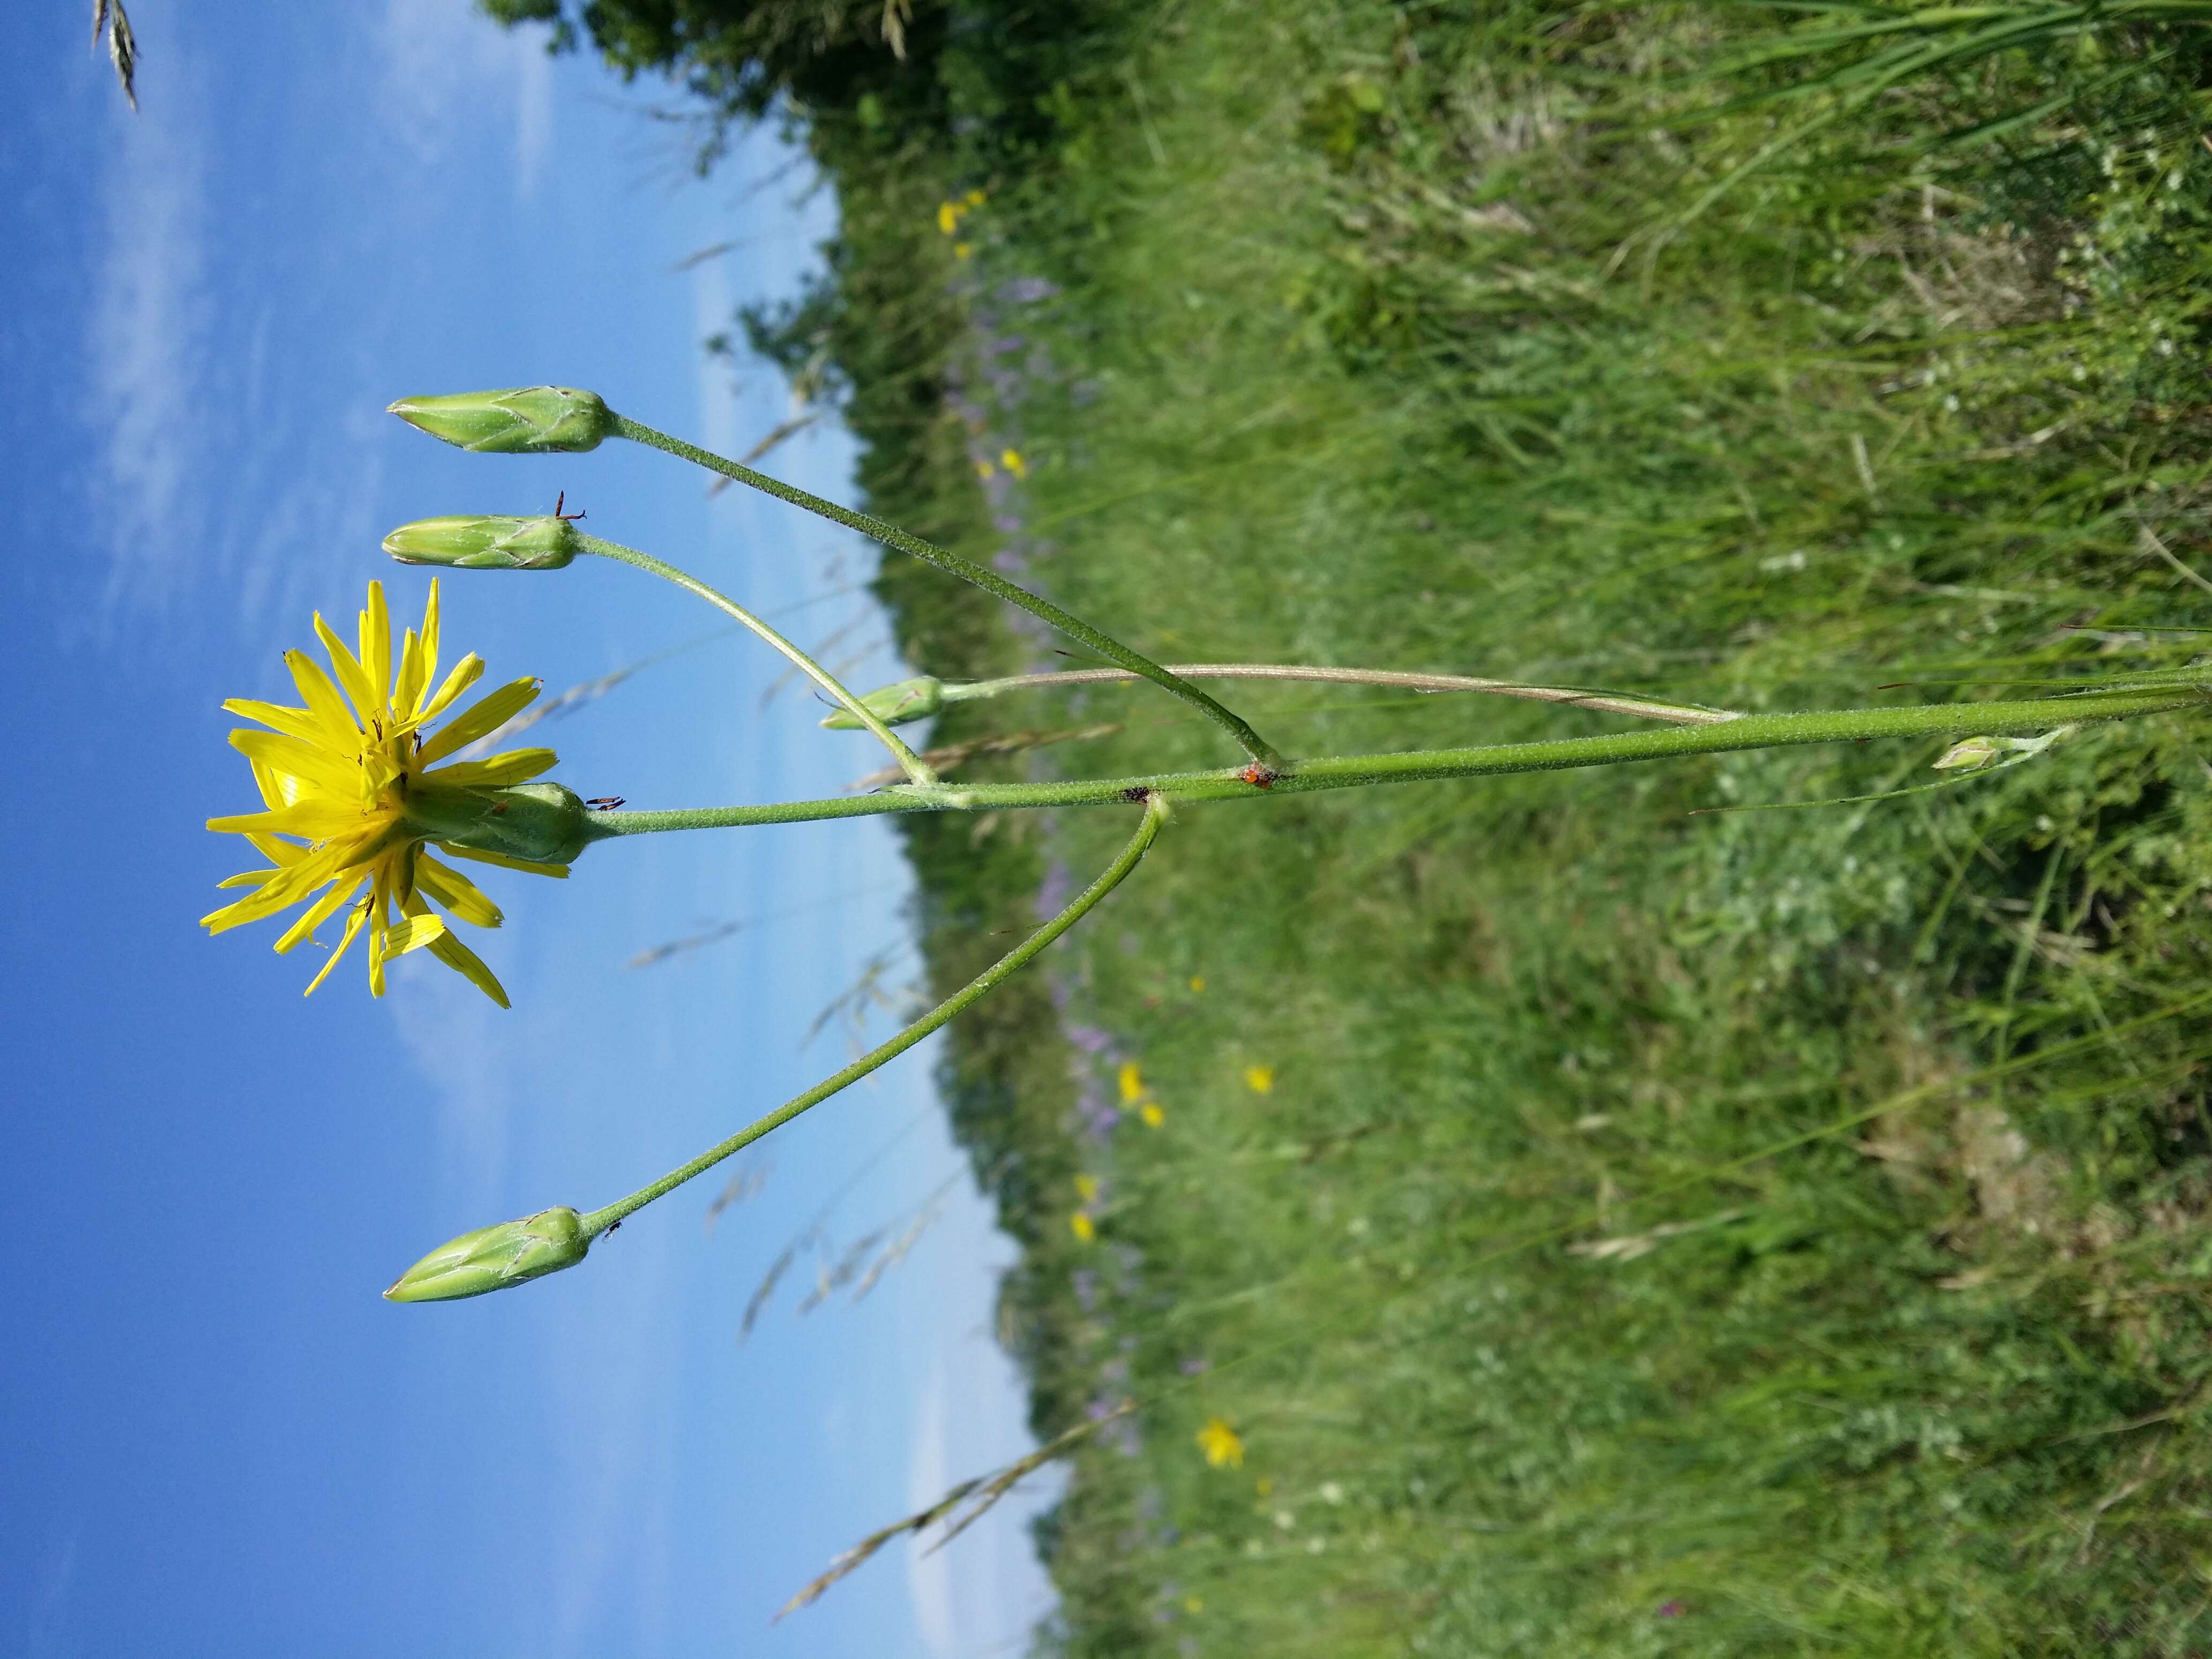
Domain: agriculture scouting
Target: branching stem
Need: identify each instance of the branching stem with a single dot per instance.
(1155, 814)
(968, 571)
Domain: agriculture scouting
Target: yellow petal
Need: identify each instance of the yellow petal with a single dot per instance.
(495, 771)
(353, 926)
(316, 915)
(456, 892)
(466, 962)
(279, 853)
(464, 675)
(327, 709)
(380, 924)
(350, 676)
(340, 775)
(246, 879)
(412, 934)
(486, 715)
(376, 648)
(412, 675)
(293, 722)
(429, 644)
(535, 868)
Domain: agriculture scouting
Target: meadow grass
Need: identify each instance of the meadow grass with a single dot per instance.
(1612, 1225)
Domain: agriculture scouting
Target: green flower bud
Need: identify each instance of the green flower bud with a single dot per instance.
(531, 420)
(493, 1258)
(536, 822)
(471, 541)
(894, 705)
(1970, 754)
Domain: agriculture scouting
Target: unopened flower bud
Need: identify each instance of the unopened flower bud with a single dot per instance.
(894, 705)
(1970, 754)
(531, 420)
(538, 822)
(493, 1258)
(474, 541)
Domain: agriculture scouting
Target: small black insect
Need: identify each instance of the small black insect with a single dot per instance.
(560, 501)
(604, 803)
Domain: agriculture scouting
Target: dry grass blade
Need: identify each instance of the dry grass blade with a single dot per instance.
(742, 1187)
(987, 1492)
(766, 1288)
(108, 16)
(1004, 743)
(790, 429)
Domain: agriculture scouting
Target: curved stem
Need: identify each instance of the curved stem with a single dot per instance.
(968, 571)
(1607, 702)
(1352, 771)
(1155, 814)
(915, 768)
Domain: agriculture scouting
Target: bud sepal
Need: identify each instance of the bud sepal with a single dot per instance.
(532, 824)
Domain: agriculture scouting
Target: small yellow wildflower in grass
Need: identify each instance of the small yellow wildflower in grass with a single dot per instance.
(974, 198)
(336, 778)
(1194, 1604)
(1153, 1115)
(1085, 1229)
(948, 216)
(963, 250)
(1011, 460)
(1197, 982)
(984, 469)
(1086, 1187)
(1259, 1079)
(1223, 1449)
(1132, 1082)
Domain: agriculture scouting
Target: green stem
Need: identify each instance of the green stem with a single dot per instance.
(968, 570)
(1606, 702)
(912, 764)
(1353, 771)
(1155, 814)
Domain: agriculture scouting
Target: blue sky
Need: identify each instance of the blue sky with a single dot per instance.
(214, 1436)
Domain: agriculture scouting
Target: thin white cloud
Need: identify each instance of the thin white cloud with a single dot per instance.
(929, 1576)
(50, 1608)
(438, 61)
(148, 324)
(717, 406)
(534, 111)
(463, 1048)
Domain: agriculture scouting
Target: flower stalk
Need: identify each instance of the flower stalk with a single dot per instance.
(1261, 753)
(1148, 828)
(2017, 718)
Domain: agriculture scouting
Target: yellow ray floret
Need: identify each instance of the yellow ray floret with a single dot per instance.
(336, 777)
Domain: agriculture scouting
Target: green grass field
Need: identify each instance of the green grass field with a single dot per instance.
(1661, 1230)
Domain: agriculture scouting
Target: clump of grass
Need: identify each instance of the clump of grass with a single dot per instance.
(1734, 1233)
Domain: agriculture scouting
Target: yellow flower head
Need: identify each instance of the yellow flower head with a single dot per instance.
(1132, 1082)
(1153, 1114)
(1086, 1187)
(948, 216)
(1223, 1449)
(1085, 1229)
(338, 779)
(1011, 460)
(1259, 1079)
